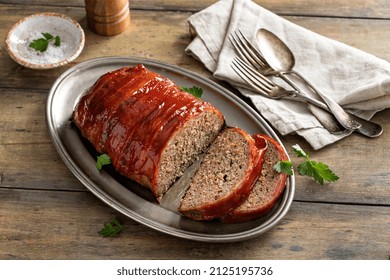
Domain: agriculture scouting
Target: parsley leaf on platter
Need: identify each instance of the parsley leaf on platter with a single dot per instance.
(102, 160)
(42, 44)
(195, 91)
(111, 229)
(284, 166)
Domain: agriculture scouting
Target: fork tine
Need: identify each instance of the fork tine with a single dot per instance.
(255, 74)
(246, 50)
(248, 81)
(249, 49)
(241, 50)
(250, 78)
(254, 50)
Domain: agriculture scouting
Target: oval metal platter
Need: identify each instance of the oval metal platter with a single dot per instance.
(125, 195)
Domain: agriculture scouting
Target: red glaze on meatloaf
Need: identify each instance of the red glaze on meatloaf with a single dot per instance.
(267, 188)
(151, 130)
(225, 176)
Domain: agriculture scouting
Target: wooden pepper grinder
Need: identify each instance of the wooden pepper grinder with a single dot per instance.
(107, 17)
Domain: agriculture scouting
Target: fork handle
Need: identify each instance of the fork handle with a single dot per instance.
(346, 120)
(302, 88)
(367, 128)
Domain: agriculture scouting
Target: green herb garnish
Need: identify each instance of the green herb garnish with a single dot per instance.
(318, 170)
(41, 44)
(111, 229)
(195, 91)
(102, 160)
(284, 166)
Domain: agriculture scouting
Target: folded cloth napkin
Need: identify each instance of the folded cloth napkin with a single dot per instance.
(353, 78)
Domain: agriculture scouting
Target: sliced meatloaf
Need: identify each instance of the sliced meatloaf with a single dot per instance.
(267, 188)
(225, 176)
(151, 130)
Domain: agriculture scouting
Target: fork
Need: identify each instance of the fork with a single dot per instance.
(246, 50)
(267, 88)
(249, 52)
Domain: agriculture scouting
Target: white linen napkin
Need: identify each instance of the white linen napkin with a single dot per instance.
(353, 78)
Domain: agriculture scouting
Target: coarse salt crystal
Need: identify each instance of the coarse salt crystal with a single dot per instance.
(52, 54)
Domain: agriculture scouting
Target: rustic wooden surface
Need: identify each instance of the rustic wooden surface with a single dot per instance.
(45, 213)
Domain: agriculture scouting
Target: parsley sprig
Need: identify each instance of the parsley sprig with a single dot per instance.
(111, 229)
(195, 91)
(42, 44)
(318, 170)
(284, 166)
(102, 160)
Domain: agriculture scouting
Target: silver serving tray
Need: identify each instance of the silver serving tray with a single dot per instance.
(126, 196)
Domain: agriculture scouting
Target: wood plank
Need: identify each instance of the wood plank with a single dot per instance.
(35, 166)
(342, 8)
(65, 225)
(22, 114)
(170, 30)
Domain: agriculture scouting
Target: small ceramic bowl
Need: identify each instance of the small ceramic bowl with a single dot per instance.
(31, 28)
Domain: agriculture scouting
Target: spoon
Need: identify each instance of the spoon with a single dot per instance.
(280, 58)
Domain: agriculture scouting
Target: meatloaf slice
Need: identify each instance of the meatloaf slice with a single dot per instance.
(151, 130)
(224, 178)
(267, 188)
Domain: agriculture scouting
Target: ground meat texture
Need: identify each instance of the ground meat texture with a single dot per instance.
(224, 177)
(186, 146)
(151, 130)
(267, 189)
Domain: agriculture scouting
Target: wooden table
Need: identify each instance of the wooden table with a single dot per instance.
(46, 213)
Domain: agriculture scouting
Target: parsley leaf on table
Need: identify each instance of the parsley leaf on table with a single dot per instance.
(111, 229)
(298, 151)
(41, 44)
(102, 160)
(318, 170)
(195, 91)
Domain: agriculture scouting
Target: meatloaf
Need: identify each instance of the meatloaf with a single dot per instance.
(151, 130)
(226, 175)
(267, 189)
